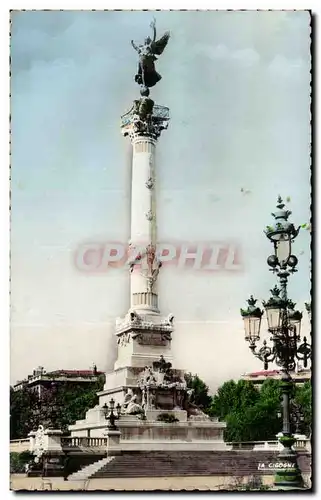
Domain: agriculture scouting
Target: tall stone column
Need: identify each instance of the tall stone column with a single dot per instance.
(143, 334)
(143, 280)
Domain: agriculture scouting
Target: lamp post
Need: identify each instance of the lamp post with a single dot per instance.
(297, 417)
(284, 325)
(110, 415)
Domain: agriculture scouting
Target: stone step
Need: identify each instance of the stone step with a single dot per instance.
(165, 464)
(89, 470)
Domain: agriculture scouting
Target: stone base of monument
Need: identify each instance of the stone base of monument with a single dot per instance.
(136, 434)
(156, 413)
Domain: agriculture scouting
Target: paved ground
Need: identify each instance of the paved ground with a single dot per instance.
(21, 482)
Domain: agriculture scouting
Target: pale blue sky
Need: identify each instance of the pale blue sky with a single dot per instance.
(237, 85)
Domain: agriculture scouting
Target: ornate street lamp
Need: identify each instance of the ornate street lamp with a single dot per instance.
(284, 325)
(110, 415)
(294, 319)
(252, 321)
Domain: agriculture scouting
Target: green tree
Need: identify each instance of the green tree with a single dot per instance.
(252, 414)
(76, 402)
(70, 403)
(233, 397)
(303, 397)
(199, 396)
(255, 423)
(58, 407)
(22, 404)
(271, 389)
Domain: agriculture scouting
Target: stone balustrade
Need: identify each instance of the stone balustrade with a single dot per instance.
(301, 444)
(85, 442)
(19, 445)
(68, 442)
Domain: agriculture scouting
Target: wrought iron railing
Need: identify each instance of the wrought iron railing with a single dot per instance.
(160, 113)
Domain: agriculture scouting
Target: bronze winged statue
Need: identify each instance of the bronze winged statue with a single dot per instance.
(147, 74)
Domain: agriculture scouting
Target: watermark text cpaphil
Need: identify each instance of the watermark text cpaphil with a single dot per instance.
(100, 257)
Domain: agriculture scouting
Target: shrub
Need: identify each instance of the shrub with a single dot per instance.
(18, 461)
(167, 418)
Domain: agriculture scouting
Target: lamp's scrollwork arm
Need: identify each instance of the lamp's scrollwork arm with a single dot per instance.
(264, 353)
(304, 352)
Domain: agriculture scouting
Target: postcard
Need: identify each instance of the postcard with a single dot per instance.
(160, 250)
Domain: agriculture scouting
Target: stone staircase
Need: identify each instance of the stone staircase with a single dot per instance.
(166, 464)
(89, 470)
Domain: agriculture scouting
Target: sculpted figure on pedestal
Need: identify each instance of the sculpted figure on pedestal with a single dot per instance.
(193, 411)
(130, 405)
(147, 52)
(39, 442)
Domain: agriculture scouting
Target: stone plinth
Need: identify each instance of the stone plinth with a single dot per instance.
(141, 339)
(52, 441)
(113, 443)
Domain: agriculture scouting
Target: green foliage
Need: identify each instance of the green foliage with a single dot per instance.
(199, 396)
(306, 226)
(233, 396)
(303, 397)
(18, 461)
(287, 440)
(167, 418)
(271, 389)
(56, 408)
(250, 413)
(22, 404)
(75, 402)
(255, 423)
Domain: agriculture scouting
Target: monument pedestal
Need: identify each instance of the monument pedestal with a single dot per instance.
(156, 413)
(142, 337)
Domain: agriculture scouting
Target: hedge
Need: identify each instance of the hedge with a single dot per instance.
(18, 461)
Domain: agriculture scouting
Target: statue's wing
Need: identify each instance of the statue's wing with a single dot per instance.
(134, 45)
(159, 46)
